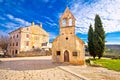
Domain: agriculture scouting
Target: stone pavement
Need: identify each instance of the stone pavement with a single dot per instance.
(33, 68)
(41, 68)
(47, 74)
(92, 73)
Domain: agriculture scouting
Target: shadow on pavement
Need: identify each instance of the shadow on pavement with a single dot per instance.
(21, 65)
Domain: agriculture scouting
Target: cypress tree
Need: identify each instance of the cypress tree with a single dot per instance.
(91, 42)
(99, 37)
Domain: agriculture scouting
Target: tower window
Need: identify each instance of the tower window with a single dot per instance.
(64, 22)
(58, 52)
(70, 22)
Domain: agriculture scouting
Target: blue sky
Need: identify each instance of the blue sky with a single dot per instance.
(20, 13)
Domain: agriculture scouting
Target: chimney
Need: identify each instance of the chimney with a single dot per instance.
(41, 25)
(32, 24)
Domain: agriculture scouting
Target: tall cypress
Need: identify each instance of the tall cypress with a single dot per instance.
(99, 37)
(91, 42)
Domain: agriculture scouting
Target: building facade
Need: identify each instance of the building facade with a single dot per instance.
(67, 47)
(27, 39)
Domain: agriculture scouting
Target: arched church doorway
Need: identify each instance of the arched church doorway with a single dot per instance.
(66, 56)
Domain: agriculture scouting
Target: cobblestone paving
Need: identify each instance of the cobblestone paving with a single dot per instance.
(47, 74)
(41, 68)
(33, 69)
(94, 73)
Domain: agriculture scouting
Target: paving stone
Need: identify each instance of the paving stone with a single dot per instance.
(41, 68)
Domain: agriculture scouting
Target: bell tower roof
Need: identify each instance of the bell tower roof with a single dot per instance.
(67, 14)
(67, 19)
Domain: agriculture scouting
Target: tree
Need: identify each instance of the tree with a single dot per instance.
(99, 37)
(4, 42)
(91, 42)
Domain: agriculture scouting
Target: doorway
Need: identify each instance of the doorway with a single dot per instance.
(66, 56)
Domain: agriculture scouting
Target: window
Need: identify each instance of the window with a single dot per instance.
(36, 37)
(74, 53)
(13, 44)
(27, 35)
(10, 44)
(27, 43)
(12, 52)
(44, 44)
(14, 36)
(17, 35)
(62, 33)
(66, 38)
(27, 29)
(64, 23)
(70, 22)
(58, 53)
(33, 46)
(16, 51)
(16, 43)
(11, 37)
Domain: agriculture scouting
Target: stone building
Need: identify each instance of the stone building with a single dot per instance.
(67, 47)
(27, 39)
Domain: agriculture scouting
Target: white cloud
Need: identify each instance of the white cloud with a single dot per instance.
(18, 20)
(52, 35)
(3, 33)
(10, 16)
(9, 25)
(109, 11)
(48, 18)
(112, 43)
(51, 23)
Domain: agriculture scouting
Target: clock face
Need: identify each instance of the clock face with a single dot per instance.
(64, 23)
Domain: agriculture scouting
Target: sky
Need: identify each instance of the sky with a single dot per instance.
(20, 13)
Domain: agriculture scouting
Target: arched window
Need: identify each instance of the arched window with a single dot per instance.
(70, 22)
(64, 22)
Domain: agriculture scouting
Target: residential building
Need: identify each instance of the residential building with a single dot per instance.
(27, 39)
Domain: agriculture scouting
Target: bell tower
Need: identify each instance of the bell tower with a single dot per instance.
(67, 47)
(67, 22)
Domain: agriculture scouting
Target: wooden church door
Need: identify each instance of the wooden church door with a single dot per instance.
(66, 56)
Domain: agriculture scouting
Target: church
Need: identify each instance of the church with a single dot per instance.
(67, 47)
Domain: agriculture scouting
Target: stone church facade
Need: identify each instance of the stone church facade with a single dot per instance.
(67, 47)
(27, 38)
